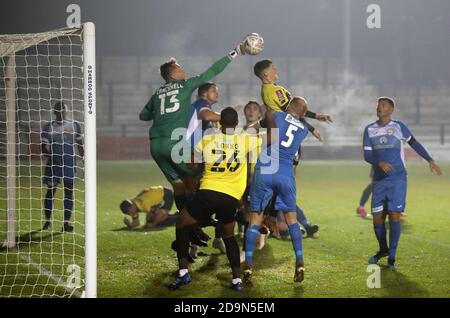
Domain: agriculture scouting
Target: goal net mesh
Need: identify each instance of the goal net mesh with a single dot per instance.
(36, 72)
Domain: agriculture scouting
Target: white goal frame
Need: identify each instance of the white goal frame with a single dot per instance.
(90, 182)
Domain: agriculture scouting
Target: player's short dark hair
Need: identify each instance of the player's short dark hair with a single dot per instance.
(252, 102)
(387, 99)
(166, 68)
(229, 117)
(125, 205)
(59, 106)
(261, 66)
(205, 88)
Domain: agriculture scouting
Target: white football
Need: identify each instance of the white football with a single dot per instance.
(253, 44)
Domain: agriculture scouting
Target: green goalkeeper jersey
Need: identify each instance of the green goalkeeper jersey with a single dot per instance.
(169, 106)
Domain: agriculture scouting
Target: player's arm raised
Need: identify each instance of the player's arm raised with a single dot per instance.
(215, 69)
(320, 117)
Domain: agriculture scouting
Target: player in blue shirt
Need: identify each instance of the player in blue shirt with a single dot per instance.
(274, 175)
(59, 139)
(201, 116)
(383, 148)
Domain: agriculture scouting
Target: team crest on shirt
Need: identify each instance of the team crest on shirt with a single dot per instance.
(383, 140)
(280, 95)
(390, 132)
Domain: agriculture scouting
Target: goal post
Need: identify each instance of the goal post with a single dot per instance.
(90, 160)
(37, 72)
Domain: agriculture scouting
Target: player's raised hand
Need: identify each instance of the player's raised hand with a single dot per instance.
(316, 133)
(434, 167)
(324, 117)
(239, 49)
(385, 166)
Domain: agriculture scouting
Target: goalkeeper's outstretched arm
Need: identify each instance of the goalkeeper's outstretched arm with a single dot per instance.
(215, 69)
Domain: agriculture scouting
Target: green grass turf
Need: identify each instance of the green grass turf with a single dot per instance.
(51, 251)
(141, 263)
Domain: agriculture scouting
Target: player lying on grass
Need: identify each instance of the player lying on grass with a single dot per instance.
(222, 185)
(383, 149)
(278, 179)
(155, 202)
(168, 109)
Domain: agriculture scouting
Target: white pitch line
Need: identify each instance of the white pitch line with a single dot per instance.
(43, 271)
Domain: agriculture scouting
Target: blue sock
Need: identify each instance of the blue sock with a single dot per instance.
(48, 204)
(251, 235)
(380, 233)
(301, 217)
(68, 201)
(296, 238)
(394, 237)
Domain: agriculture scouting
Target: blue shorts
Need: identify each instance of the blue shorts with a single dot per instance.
(389, 196)
(264, 186)
(53, 175)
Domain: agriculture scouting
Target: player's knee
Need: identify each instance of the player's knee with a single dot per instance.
(290, 217)
(256, 219)
(378, 219)
(178, 187)
(394, 216)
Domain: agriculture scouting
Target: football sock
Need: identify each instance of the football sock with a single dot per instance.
(244, 237)
(48, 204)
(182, 244)
(380, 233)
(180, 201)
(394, 237)
(301, 217)
(296, 237)
(365, 195)
(68, 200)
(233, 255)
(252, 234)
(182, 272)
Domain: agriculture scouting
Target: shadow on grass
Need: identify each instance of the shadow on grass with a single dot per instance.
(140, 229)
(31, 238)
(398, 285)
(216, 272)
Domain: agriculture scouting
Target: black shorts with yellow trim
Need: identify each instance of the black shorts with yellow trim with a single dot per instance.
(207, 202)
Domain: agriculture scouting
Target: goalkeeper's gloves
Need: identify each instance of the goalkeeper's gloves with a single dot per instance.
(238, 50)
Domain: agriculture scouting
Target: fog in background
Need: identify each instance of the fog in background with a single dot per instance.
(323, 49)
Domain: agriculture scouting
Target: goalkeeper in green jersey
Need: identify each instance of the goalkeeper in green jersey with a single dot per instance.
(168, 108)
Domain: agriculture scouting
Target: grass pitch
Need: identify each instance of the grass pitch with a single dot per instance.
(141, 263)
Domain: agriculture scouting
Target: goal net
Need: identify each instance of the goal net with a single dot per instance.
(47, 164)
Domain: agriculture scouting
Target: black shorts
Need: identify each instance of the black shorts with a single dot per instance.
(207, 202)
(167, 199)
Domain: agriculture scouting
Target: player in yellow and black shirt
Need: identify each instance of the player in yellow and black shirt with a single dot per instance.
(274, 96)
(155, 202)
(223, 183)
